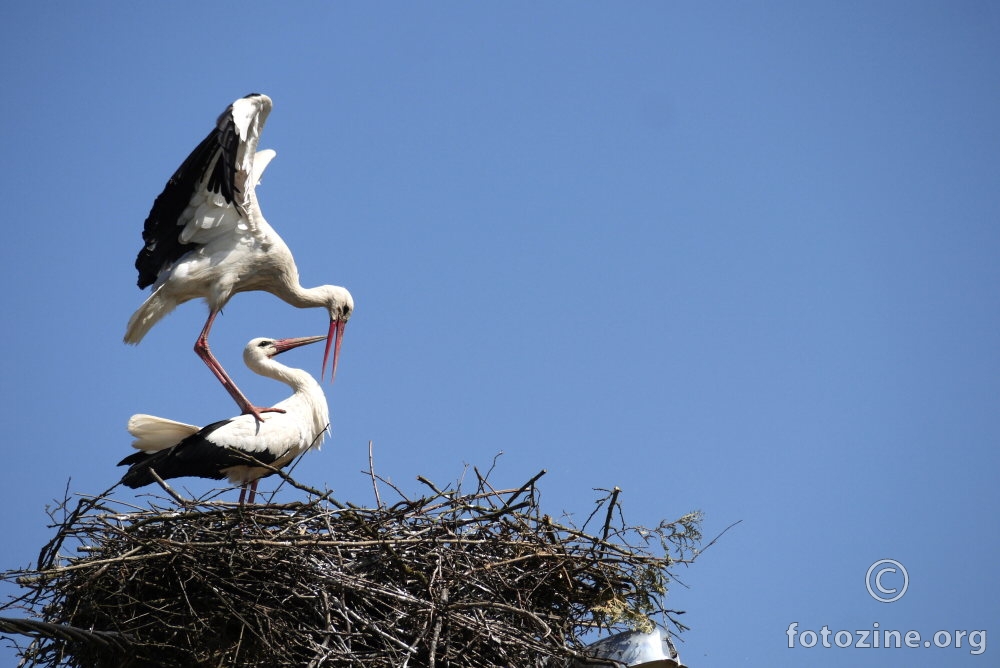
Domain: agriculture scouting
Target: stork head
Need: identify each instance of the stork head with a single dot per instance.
(264, 347)
(340, 305)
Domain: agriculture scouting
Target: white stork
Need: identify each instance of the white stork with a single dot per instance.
(206, 237)
(222, 449)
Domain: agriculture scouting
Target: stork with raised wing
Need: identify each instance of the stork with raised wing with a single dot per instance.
(225, 448)
(205, 237)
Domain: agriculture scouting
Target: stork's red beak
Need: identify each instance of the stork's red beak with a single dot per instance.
(334, 338)
(288, 344)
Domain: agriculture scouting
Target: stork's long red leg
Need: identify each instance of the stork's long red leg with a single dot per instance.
(243, 493)
(205, 353)
(253, 490)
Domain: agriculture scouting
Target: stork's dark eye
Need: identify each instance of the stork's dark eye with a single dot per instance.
(264, 344)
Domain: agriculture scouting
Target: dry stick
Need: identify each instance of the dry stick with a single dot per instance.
(168, 489)
(371, 470)
(298, 459)
(292, 540)
(514, 560)
(35, 628)
(374, 627)
(50, 551)
(486, 490)
(508, 608)
(712, 542)
(597, 506)
(439, 621)
(437, 491)
(493, 465)
(523, 487)
(611, 509)
(56, 571)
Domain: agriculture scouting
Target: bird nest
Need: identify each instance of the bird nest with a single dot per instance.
(447, 578)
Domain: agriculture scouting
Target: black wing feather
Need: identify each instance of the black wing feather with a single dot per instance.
(161, 233)
(195, 456)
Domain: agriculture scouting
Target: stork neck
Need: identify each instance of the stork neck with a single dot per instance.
(297, 379)
(296, 295)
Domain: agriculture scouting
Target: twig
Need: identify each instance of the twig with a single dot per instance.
(530, 483)
(427, 482)
(36, 628)
(611, 509)
(181, 501)
(712, 542)
(371, 470)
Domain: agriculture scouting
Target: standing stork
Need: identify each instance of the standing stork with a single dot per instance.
(225, 448)
(206, 237)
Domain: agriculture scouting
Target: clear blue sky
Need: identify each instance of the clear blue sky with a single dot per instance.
(737, 257)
